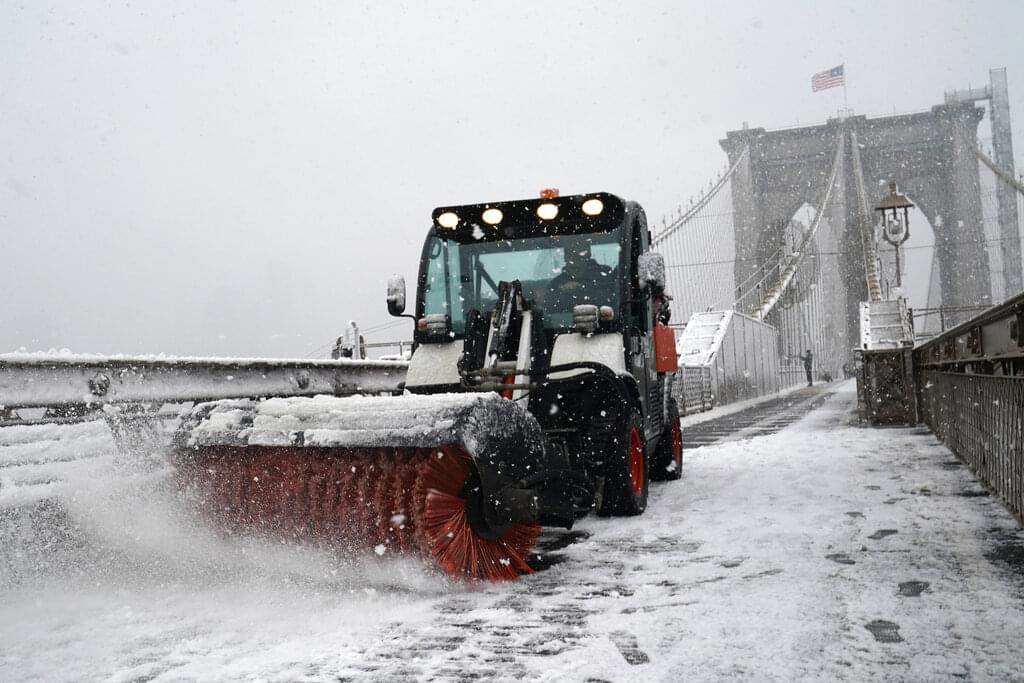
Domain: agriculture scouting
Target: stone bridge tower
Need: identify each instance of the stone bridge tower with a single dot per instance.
(929, 154)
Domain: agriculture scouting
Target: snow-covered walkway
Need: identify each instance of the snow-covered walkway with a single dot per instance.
(826, 551)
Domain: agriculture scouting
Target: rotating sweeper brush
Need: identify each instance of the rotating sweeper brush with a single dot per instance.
(443, 477)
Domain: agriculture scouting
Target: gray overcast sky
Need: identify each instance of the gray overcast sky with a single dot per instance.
(241, 178)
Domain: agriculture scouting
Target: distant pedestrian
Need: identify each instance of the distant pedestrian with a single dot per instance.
(808, 360)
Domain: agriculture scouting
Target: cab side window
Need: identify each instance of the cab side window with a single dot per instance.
(441, 286)
(640, 311)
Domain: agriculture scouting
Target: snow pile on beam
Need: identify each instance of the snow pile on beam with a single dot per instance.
(471, 420)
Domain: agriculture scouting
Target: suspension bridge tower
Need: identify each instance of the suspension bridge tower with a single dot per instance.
(932, 155)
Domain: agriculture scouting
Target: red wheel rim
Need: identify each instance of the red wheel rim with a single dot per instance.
(636, 462)
(677, 443)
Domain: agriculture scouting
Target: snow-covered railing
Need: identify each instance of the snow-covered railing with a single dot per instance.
(734, 355)
(971, 394)
(37, 380)
(692, 391)
(696, 348)
(885, 325)
(871, 277)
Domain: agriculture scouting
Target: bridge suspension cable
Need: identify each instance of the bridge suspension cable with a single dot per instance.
(867, 230)
(1002, 204)
(699, 247)
(1001, 173)
(693, 211)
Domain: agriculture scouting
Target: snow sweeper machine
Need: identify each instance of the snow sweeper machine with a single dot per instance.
(538, 391)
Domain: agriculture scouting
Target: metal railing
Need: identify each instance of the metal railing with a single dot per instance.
(948, 316)
(40, 380)
(403, 347)
(692, 389)
(726, 356)
(981, 419)
(970, 391)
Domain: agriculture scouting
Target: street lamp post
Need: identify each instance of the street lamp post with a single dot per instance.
(895, 208)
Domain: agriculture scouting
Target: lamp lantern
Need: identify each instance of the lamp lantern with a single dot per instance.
(895, 215)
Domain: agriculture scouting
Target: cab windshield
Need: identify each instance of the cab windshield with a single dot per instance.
(556, 273)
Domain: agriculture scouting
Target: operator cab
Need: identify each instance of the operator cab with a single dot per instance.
(533, 285)
(564, 251)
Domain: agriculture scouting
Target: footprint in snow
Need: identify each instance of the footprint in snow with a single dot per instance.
(913, 589)
(629, 647)
(884, 631)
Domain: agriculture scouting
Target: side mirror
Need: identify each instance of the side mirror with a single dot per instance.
(650, 268)
(396, 295)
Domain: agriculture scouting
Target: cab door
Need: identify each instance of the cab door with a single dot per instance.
(641, 339)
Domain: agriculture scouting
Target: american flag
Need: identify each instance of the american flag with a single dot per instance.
(828, 79)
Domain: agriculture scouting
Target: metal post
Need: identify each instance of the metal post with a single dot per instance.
(1002, 148)
(899, 279)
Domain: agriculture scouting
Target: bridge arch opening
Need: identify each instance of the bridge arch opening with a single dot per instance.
(917, 255)
(794, 316)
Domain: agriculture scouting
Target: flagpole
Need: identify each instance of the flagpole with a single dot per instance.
(846, 105)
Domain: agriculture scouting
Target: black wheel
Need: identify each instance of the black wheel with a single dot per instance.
(625, 481)
(667, 463)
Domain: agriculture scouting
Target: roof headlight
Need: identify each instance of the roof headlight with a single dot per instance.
(492, 216)
(547, 211)
(448, 219)
(593, 206)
